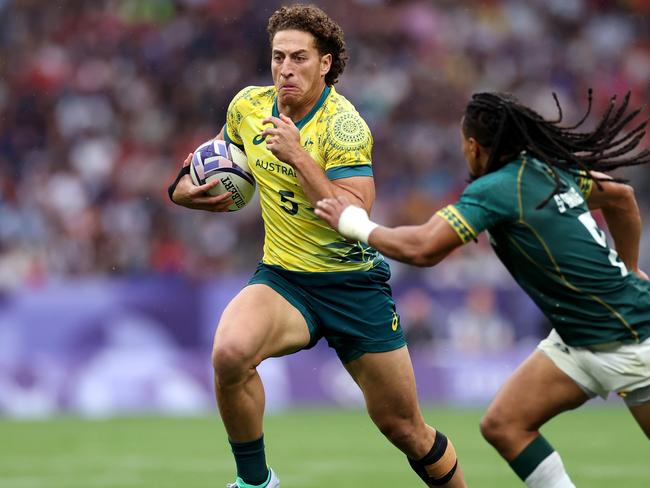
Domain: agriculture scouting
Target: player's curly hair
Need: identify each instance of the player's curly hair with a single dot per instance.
(328, 34)
(500, 123)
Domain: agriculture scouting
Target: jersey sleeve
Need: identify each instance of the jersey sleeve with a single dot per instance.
(486, 202)
(237, 110)
(584, 182)
(347, 146)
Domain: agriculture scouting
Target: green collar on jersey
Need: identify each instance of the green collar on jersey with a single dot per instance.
(302, 122)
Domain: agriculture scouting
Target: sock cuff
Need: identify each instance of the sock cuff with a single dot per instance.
(532, 455)
(248, 447)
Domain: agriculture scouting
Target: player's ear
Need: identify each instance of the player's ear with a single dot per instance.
(325, 64)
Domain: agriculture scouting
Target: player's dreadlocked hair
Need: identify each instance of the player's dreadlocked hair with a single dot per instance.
(504, 126)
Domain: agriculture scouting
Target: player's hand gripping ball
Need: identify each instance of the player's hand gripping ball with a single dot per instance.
(225, 161)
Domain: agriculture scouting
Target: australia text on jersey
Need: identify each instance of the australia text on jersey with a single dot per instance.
(275, 167)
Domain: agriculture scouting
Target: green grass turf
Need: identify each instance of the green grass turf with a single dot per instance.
(602, 447)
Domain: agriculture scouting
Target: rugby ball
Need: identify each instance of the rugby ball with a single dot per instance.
(225, 161)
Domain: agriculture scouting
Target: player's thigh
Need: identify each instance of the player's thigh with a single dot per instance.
(641, 414)
(259, 323)
(536, 392)
(387, 382)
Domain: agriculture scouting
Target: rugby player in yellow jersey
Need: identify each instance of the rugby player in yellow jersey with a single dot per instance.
(532, 189)
(306, 142)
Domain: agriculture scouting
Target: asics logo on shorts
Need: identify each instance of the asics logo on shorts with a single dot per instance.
(395, 321)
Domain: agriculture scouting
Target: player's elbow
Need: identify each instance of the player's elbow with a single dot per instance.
(421, 257)
(618, 196)
(627, 196)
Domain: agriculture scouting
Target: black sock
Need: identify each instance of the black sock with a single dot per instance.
(251, 461)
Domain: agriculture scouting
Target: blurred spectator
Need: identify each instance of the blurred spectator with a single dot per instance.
(101, 100)
(478, 326)
(418, 318)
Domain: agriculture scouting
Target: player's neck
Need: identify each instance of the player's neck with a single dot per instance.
(300, 110)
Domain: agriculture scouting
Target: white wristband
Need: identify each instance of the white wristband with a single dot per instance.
(354, 224)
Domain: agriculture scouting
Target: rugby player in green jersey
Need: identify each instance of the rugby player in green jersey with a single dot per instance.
(533, 185)
(305, 142)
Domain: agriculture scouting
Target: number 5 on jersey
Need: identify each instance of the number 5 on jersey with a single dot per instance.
(285, 197)
(599, 236)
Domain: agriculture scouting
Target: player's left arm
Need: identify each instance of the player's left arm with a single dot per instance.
(283, 140)
(419, 245)
(619, 207)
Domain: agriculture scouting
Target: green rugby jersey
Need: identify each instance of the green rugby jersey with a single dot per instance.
(557, 254)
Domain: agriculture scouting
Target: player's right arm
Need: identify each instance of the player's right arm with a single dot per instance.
(619, 207)
(419, 245)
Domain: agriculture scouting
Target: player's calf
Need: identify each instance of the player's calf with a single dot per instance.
(438, 467)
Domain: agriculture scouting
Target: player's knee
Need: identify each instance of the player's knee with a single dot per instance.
(399, 431)
(438, 467)
(230, 362)
(493, 428)
(502, 430)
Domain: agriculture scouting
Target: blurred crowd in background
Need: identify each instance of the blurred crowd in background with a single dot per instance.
(100, 101)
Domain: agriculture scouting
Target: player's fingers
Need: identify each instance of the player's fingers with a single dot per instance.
(188, 159)
(327, 214)
(221, 203)
(207, 186)
(269, 131)
(287, 120)
(325, 203)
(225, 206)
(219, 199)
(272, 120)
(343, 201)
(209, 202)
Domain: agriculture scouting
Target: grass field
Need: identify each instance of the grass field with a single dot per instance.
(602, 448)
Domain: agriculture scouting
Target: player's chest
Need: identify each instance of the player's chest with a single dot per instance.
(266, 167)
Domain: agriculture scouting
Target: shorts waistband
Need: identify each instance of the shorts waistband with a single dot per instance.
(607, 346)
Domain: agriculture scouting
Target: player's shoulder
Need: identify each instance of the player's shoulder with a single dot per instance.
(337, 106)
(503, 179)
(252, 96)
(344, 125)
(338, 101)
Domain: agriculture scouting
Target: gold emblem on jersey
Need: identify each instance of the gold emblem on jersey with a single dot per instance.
(349, 132)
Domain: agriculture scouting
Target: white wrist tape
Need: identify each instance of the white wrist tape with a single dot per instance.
(354, 224)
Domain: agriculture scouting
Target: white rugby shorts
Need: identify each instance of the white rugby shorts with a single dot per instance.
(599, 370)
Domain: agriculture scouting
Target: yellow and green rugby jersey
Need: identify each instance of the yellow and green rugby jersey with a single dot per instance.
(339, 141)
(557, 254)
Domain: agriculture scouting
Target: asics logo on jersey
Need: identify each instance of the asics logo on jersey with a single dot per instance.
(258, 139)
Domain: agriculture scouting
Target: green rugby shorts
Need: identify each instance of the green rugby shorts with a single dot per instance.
(353, 310)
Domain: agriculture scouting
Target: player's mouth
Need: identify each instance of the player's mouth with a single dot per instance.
(288, 88)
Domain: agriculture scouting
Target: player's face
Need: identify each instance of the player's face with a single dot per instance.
(471, 154)
(298, 68)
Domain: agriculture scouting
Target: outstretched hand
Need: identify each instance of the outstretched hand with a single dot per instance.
(189, 195)
(350, 221)
(330, 210)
